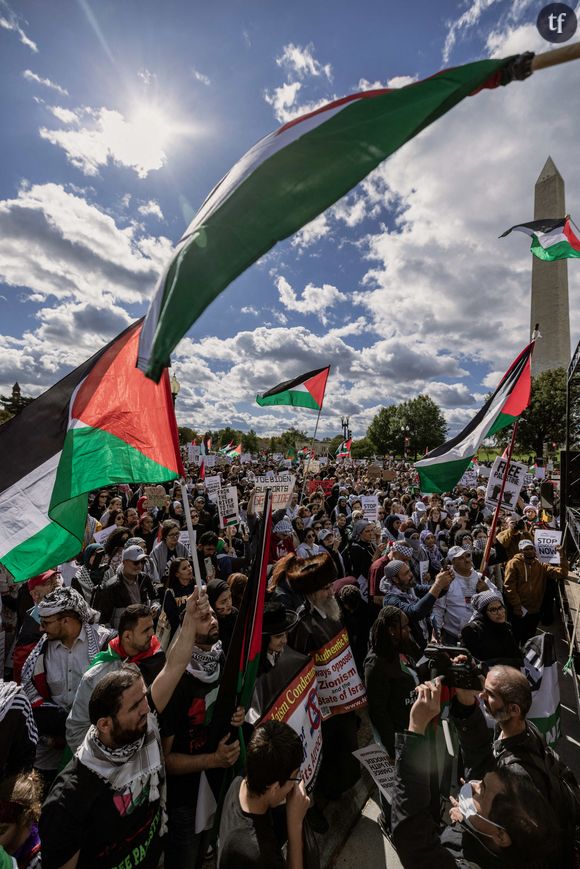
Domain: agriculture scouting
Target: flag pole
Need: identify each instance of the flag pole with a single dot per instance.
(492, 530)
(310, 453)
(489, 544)
(559, 55)
(192, 536)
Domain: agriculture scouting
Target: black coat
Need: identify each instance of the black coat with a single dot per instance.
(490, 642)
(113, 595)
(390, 695)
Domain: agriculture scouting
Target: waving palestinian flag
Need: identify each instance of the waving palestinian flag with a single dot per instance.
(103, 423)
(551, 239)
(443, 467)
(343, 451)
(304, 391)
(285, 181)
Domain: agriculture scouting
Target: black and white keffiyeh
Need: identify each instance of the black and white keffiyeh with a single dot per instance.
(13, 697)
(205, 666)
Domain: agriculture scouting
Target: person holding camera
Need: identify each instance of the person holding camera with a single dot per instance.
(525, 584)
(508, 541)
(501, 821)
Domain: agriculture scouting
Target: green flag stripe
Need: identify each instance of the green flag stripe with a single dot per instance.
(502, 421)
(562, 250)
(443, 476)
(47, 548)
(295, 398)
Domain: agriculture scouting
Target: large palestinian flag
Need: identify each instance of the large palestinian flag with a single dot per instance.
(304, 391)
(443, 467)
(285, 181)
(343, 451)
(551, 239)
(103, 423)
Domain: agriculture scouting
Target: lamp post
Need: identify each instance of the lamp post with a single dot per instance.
(344, 421)
(406, 440)
(175, 386)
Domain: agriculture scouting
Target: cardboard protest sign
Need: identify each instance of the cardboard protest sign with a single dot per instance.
(297, 705)
(514, 483)
(156, 496)
(339, 686)
(227, 501)
(281, 486)
(101, 536)
(388, 476)
(374, 471)
(212, 484)
(313, 467)
(370, 507)
(325, 485)
(375, 759)
(545, 541)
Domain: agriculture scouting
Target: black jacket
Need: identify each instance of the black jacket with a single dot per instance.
(390, 695)
(490, 642)
(113, 596)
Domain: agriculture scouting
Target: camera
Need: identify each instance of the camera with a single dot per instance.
(455, 675)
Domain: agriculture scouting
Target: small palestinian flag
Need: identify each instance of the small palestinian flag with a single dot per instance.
(304, 391)
(103, 423)
(286, 180)
(223, 451)
(290, 454)
(237, 451)
(444, 466)
(343, 451)
(551, 239)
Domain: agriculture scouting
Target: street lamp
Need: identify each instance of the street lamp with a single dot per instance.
(344, 421)
(406, 439)
(175, 386)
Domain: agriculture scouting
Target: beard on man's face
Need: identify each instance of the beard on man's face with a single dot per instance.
(210, 638)
(330, 608)
(122, 736)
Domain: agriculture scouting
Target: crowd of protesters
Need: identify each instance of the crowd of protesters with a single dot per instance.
(112, 664)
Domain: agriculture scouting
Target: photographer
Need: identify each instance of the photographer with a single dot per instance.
(504, 820)
(507, 541)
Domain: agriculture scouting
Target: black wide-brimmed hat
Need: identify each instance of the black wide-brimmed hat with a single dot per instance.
(277, 619)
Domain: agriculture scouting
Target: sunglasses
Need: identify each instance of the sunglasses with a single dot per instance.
(496, 609)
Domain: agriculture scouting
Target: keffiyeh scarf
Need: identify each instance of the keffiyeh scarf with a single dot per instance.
(12, 696)
(135, 772)
(205, 666)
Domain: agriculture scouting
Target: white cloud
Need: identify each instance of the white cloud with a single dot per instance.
(315, 300)
(282, 99)
(300, 61)
(466, 20)
(249, 309)
(45, 82)
(137, 142)
(56, 243)
(312, 232)
(9, 20)
(398, 81)
(65, 116)
(199, 76)
(146, 76)
(151, 209)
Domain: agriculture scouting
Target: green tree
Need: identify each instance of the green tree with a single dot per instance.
(274, 445)
(545, 418)
(186, 434)
(334, 445)
(5, 415)
(250, 442)
(289, 438)
(227, 435)
(362, 449)
(424, 424)
(384, 432)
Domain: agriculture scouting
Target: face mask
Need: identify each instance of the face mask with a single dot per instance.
(468, 810)
(479, 544)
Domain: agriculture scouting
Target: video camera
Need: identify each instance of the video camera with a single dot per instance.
(464, 674)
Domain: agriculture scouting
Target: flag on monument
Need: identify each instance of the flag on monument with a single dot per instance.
(343, 451)
(441, 469)
(551, 239)
(286, 180)
(103, 423)
(307, 390)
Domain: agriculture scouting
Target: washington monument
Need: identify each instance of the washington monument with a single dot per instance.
(550, 281)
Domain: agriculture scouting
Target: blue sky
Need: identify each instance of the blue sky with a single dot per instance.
(118, 118)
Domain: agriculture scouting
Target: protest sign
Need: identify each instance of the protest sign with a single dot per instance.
(156, 496)
(423, 568)
(374, 471)
(101, 536)
(184, 539)
(469, 478)
(193, 451)
(281, 486)
(212, 484)
(297, 706)
(209, 461)
(545, 541)
(528, 479)
(245, 458)
(483, 471)
(322, 461)
(540, 472)
(325, 485)
(370, 507)
(376, 760)
(514, 483)
(227, 501)
(388, 476)
(339, 686)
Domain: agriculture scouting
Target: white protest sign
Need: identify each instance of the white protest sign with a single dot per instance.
(423, 568)
(370, 507)
(514, 483)
(339, 685)
(227, 501)
(313, 467)
(545, 541)
(184, 538)
(322, 461)
(281, 486)
(245, 458)
(209, 461)
(469, 478)
(212, 484)
(101, 536)
(193, 451)
(528, 479)
(483, 471)
(376, 760)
